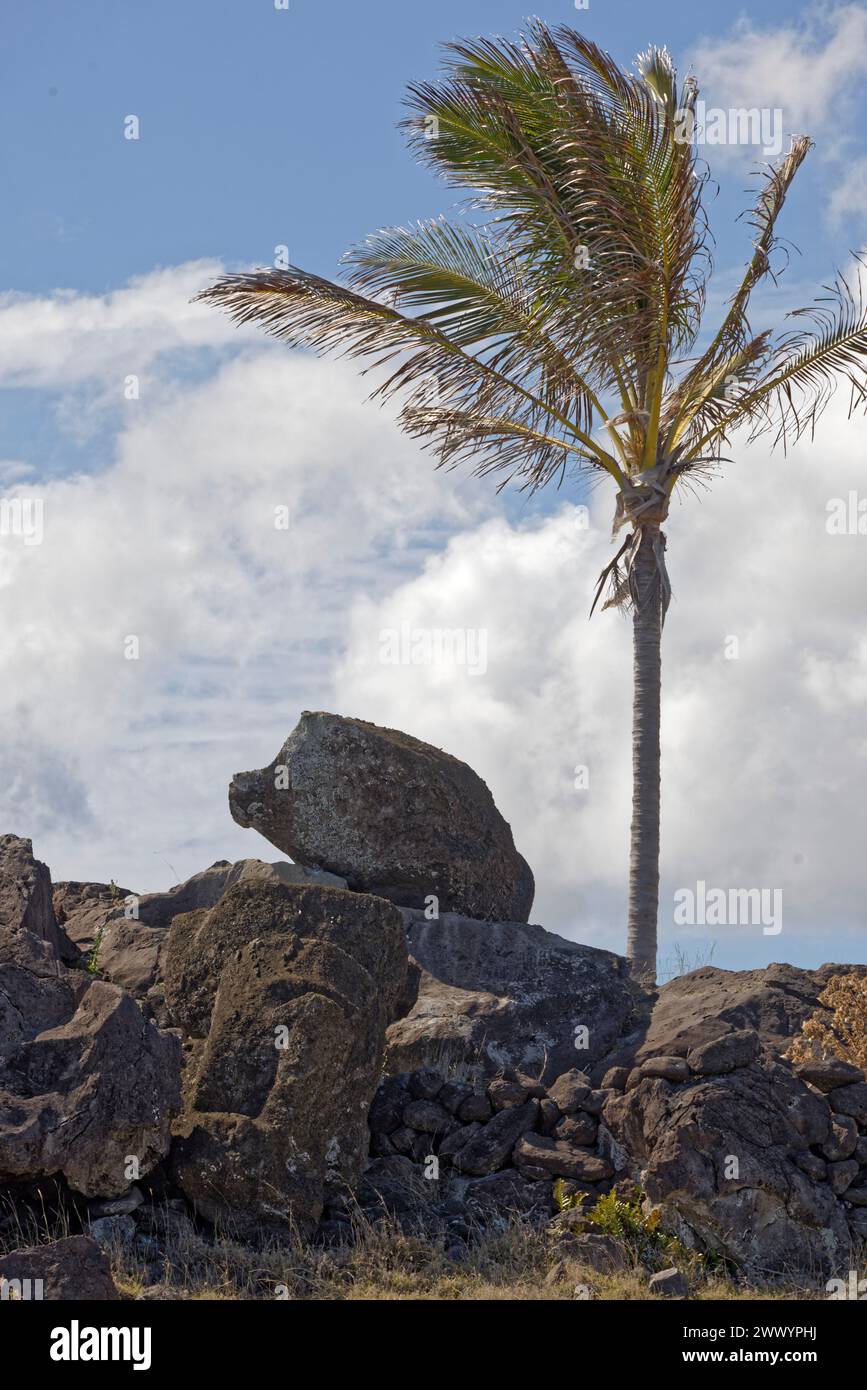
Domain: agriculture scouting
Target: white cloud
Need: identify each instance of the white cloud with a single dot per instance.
(850, 191)
(68, 338)
(810, 70)
(115, 766)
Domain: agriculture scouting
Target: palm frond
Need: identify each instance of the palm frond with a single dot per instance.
(734, 334)
(496, 444)
(306, 310)
(471, 284)
(569, 153)
(805, 369)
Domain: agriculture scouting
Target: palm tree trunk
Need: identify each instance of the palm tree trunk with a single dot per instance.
(644, 842)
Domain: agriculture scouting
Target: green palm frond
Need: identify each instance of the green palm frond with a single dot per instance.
(697, 403)
(805, 369)
(470, 283)
(734, 337)
(306, 310)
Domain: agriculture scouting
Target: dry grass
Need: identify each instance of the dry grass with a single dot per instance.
(381, 1263)
(384, 1264)
(839, 1027)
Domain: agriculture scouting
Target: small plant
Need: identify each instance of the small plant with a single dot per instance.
(639, 1231)
(566, 1200)
(839, 1029)
(93, 957)
(113, 889)
(682, 962)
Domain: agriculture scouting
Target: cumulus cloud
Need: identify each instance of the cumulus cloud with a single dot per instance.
(809, 69)
(805, 67)
(181, 544)
(850, 191)
(68, 338)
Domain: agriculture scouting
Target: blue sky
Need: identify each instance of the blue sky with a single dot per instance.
(261, 127)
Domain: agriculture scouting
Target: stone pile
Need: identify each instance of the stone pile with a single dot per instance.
(742, 1154)
(450, 1153)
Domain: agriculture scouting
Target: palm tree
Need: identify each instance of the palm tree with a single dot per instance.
(560, 335)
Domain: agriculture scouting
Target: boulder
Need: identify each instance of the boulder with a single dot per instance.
(490, 1148)
(425, 1084)
(475, 1108)
(394, 1184)
(112, 1231)
(25, 898)
(561, 1160)
(206, 888)
(461, 1136)
(453, 1095)
(717, 1156)
(386, 1112)
(429, 1118)
(506, 1195)
(670, 1283)
(284, 993)
(811, 1164)
(83, 909)
(549, 1115)
(89, 1095)
(129, 932)
(580, 1129)
(850, 1100)
(726, 1053)
(829, 1072)
(392, 815)
(709, 1003)
(615, 1078)
(504, 1093)
(602, 1253)
(87, 1084)
(841, 1140)
(506, 997)
(70, 1270)
(570, 1090)
(842, 1175)
(673, 1069)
